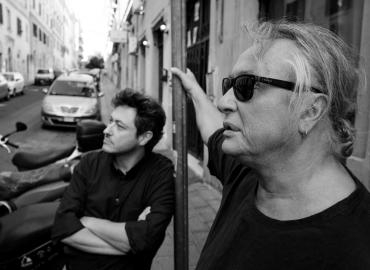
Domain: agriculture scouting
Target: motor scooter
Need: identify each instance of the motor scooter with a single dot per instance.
(47, 183)
(25, 240)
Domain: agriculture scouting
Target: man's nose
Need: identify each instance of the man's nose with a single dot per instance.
(106, 131)
(227, 102)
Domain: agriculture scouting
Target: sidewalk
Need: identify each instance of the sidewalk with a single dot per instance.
(203, 201)
(203, 204)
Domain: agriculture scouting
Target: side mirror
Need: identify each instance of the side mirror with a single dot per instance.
(45, 90)
(20, 126)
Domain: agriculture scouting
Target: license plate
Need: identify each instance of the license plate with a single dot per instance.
(68, 119)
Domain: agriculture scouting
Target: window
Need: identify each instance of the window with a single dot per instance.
(34, 30)
(34, 4)
(44, 38)
(19, 27)
(9, 20)
(1, 13)
(40, 9)
(40, 34)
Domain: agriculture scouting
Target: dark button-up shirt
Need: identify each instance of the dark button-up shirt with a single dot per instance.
(100, 190)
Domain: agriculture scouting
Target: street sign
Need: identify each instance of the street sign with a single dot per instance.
(118, 36)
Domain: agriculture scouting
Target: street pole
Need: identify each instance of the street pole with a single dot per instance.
(181, 186)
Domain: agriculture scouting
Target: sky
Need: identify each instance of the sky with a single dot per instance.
(94, 17)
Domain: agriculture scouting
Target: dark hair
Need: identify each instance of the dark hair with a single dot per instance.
(150, 115)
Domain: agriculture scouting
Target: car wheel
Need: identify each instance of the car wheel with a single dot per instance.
(7, 97)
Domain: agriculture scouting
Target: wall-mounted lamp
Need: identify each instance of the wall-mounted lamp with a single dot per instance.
(139, 10)
(145, 43)
(163, 28)
(114, 7)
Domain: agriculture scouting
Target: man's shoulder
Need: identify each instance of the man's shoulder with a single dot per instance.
(95, 155)
(159, 159)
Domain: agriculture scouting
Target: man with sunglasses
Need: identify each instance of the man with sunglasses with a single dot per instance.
(288, 202)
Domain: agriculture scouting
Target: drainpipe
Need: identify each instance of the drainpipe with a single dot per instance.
(181, 225)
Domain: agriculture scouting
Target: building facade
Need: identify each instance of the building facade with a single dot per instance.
(215, 37)
(37, 34)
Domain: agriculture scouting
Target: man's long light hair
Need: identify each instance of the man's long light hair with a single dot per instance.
(323, 61)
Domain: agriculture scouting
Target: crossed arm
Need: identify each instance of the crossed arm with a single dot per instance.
(101, 236)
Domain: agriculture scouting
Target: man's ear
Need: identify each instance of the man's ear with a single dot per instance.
(145, 137)
(313, 110)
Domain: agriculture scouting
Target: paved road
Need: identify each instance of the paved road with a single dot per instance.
(27, 109)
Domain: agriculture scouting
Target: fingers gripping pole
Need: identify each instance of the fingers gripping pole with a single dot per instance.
(179, 98)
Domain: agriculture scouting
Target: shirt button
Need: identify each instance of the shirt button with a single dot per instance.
(116, 201)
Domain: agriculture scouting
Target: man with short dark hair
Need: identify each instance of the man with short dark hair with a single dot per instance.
(120, 201)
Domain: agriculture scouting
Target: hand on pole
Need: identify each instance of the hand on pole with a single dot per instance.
(188, 80)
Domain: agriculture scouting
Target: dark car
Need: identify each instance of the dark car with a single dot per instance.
(4, 90)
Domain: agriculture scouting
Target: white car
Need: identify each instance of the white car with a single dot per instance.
(15, 83)
(70, 99)
(44, 76)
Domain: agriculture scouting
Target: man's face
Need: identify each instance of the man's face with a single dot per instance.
(264, 124)
(121, 134)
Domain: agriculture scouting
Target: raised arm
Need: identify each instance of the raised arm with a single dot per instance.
(208, 117)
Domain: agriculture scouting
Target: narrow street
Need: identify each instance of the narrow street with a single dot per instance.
(27, 109)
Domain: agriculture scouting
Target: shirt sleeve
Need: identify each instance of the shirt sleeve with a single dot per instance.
(220, 165)
(148, 235)
(67, 218)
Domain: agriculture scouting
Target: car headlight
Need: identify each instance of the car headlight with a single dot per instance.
(91, 110)
(47, 108)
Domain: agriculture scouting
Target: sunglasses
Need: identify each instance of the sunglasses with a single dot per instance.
(243, 85)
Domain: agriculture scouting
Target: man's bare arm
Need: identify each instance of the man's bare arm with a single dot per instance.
(208, 117)
(112, 232)
(87, 241)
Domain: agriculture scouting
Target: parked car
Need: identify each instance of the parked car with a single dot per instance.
(15, 83)
(44, 76)
(4, 91)
(71, 98)
(95, 73)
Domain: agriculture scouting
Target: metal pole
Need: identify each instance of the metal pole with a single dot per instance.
(181, 187)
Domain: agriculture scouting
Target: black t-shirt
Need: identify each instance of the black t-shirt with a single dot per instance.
(244, 238)
(100, 190)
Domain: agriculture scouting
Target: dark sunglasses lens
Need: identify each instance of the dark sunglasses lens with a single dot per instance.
(226, 85)
(243, 88)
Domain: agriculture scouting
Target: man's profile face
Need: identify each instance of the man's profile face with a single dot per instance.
(263, 124)
(121, 133)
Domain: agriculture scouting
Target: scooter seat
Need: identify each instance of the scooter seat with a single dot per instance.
(25, 160)
(26, 229)
(45, 193)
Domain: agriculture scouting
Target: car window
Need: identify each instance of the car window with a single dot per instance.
(43, 71)
(72, 88)
(2, 78)
(9, 77)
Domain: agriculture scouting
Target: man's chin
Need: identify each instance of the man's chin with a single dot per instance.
(107, 149)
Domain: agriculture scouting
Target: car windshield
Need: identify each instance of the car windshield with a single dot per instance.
(9, 77)
(43, 71)
(72, 88)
